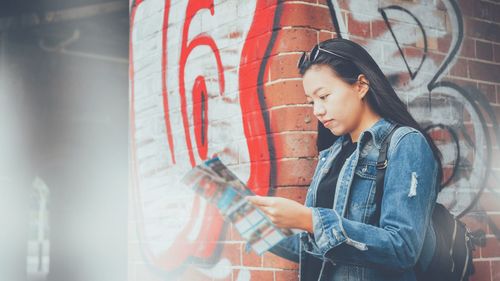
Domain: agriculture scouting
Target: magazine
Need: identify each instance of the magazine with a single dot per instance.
(214, 182)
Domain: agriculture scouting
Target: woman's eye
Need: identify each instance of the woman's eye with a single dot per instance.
(323, 97)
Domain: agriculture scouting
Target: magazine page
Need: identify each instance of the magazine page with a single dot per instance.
(213, 181)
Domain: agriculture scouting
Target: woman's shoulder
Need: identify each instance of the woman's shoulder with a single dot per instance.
(408, 137)
(403, 131)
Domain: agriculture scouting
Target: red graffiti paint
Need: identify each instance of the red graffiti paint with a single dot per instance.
(200, 116)
(252, 69)
(186, 48)
(164, 92)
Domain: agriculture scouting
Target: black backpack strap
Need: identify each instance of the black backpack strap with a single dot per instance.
(381, 166)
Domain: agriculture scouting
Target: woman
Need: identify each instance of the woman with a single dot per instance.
(348, 233)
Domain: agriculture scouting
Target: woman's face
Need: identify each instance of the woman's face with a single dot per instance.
(336, 104)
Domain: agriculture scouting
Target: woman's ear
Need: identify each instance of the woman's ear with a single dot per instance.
(363, 86)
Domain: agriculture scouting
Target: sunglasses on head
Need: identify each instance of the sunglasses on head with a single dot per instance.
(313, 55)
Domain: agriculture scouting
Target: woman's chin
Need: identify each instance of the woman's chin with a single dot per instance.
(336, 131)
(336, 127)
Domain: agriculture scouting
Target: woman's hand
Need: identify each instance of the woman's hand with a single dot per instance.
(284, 213)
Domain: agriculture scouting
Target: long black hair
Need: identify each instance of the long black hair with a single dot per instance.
(351, 61)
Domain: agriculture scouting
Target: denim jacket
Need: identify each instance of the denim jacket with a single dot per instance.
(347, 234)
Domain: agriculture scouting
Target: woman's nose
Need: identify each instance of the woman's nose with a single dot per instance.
(318, 110)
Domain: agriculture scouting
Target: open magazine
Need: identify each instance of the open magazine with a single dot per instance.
(213, 181)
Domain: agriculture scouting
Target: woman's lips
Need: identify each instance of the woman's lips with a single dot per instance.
(326, 122)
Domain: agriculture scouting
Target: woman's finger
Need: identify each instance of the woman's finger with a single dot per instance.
(258, 200)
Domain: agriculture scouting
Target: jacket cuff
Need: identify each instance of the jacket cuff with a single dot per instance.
(329, 232)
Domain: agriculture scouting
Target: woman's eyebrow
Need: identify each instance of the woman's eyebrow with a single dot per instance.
(317, 90)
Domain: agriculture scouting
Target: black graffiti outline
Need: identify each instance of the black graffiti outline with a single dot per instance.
(454, 136)
(424, 35)
(478, 96)
(470, 99)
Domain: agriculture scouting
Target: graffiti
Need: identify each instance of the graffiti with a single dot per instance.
(456, 117)
(197, 76)
(189, 60)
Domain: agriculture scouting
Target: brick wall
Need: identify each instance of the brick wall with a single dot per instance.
(219, 77)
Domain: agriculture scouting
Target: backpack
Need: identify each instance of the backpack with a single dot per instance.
(452, 259)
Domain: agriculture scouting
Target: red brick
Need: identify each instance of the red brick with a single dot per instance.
(325, 2)
(467, 8)
(444, 43)
(484, 71)
(412, 52)
(304, 15)
(495, 220)
(482, 271)
(436, 57)
(343, 4)
(496, 53)
(295, 144)
(274, 261)
(296, 193)
(325, 35)
(284, 66)
(264, 275)
(460, 68)
(462, 83)
(286, 275)
(468, 48)
(496, 108)
(296, 40)
(358, 28)
(251, 259)
(284, 93)
(495, 270)
(293, 119)
(481, 29)
(378, 28)
(293, 172)
(484, 50)
(232, 252)
(487, 11)
(492, 248)
(498, 93)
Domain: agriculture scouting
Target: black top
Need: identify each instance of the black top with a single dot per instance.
(326, 188)
(326, 194)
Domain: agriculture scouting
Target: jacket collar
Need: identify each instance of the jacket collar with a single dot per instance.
(378, 132)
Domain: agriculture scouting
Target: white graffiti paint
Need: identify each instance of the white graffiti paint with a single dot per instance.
(437, 23)
(220, 271)
(244, 275)
(163, 206)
